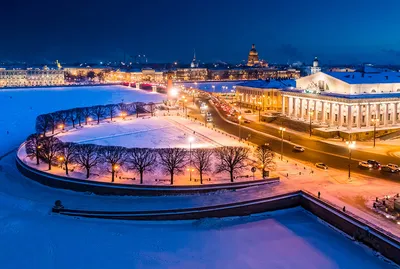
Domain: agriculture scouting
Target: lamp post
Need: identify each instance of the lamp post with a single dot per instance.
(311, 114)
(375, 121)
(191, 139)
(186, 108)
(239, 118)
(282, 130)
(350, 145)
(263, 97)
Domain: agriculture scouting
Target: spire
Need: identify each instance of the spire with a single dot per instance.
(194, 55)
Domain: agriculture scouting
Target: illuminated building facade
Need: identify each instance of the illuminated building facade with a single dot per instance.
(31, 77)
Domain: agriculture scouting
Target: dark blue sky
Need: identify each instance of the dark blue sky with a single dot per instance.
(336, 31)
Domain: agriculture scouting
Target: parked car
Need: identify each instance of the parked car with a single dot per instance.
(388, 169)
(208, 114)
(375, 164)
(321, 166)
(393, 166)
(298, 149)
(365, 164)
(209, 119)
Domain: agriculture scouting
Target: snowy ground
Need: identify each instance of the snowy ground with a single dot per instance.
(20, 107)
(32, 238)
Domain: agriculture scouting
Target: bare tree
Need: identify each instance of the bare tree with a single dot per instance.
(264, 156)
(52, 118)
(115, 156)
(87, 156)
(78, 114)
(62, 117)
(33, 146)
(202, 161)
(86, 113)
(173, 161)
(141, 159)
(152, 106)
(42, 124)
(99, 112)
(111, 110)
(72, 116)
(68, 154)
(231, 159)
(127, 108)
(50, 148)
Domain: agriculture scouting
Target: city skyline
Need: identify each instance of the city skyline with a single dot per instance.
(338, 33)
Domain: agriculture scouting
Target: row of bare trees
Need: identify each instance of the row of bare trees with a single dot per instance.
(82, 115)
(172, 161)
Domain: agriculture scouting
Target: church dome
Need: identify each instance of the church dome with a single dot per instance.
(253, 50)
(315, 62)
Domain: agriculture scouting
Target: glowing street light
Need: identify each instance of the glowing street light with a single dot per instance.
(311, 114)
(173, 92)
(259, 111)
(123, 115)
(61, 126)
(282, 130)
(350, 145)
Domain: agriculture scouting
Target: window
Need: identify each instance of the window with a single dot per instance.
(373, 91)
(398, 90)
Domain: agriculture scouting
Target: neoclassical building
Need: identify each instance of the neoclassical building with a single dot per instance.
(31, 77)
(340, 100)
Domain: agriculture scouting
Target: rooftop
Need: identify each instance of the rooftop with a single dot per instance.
(366, 78)
(269, 84)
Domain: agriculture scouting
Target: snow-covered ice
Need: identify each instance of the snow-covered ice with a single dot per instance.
(285, 239)
(20, 107)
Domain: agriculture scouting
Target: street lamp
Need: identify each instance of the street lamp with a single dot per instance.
(263, 102)
(259, 111)
(282, 130)
(186, 108)
(191, 139)
(239, 118)
(311, 114)
(350, 145)
(375, 121)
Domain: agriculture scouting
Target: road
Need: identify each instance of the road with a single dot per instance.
(316, 151)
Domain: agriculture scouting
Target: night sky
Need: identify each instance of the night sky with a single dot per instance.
(220, 30)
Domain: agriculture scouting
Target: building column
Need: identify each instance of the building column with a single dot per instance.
(315, 111)
(296, 108)
(323, 113)
(394, 113)
(340, 116)
(378, 112)
(368, 115)
(290, 109)
(331, 117)
(359, 116)
(283, 105)
(349, 117)
(385, 115)
(308, 110)
(301, 108)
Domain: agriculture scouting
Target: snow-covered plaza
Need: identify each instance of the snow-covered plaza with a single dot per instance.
(31, 237)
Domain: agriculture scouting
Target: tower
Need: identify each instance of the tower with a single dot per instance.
(194, 63)
(315, 67)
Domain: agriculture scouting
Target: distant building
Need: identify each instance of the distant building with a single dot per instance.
(31, 77)
(261, 94)
(315, 67)
(194, 63)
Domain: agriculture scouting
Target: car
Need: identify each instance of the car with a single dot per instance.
(298, 149)
(209, 119)
(365, 164)
(388, 169)
(375, 164)
(393, 166)
(321, 166)
(246, 121)
(208, 114)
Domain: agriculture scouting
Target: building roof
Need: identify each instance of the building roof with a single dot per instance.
(346, 96)
(366, 78)
(269, 84)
